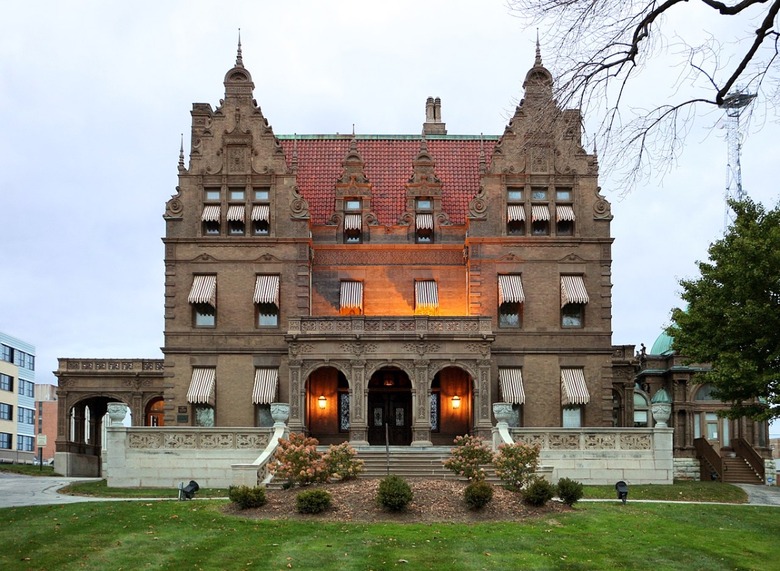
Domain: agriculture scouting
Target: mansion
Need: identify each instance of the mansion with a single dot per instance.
(389, 288)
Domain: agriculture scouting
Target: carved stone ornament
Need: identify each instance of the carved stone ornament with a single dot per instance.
(280, 411)
(502, 411)
(117, 412)
(478, 206)
(299, 208)
(601, 208)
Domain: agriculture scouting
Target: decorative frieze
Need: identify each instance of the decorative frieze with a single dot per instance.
(585, 439)
(196, 438)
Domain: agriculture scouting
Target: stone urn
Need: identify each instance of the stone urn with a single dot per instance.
(661, 407)
(502, 411)
(280, 412)
(116, 413)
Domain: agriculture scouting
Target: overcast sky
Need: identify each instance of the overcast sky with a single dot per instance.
(94, 96)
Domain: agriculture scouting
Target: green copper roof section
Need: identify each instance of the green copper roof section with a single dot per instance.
(662, 345)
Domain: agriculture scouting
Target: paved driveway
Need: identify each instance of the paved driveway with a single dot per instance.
(762, 495)
(17, 490)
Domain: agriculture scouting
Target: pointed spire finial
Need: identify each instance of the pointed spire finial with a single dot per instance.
(239, 57)
(538, 60)
(181, 153)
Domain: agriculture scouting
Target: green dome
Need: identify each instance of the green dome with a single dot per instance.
(662, 345)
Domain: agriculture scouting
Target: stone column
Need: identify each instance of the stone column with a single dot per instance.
(483, 426)
(421, 404)
(358, 403)
(297, 396)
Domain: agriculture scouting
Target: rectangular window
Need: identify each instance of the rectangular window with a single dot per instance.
(5, 441)
(510, 300)
(26, 388)
(6, 383)
(510, 314)
(572, 417)
(212, 194)
(540, 220)
(563, 194)
(211, 218)
(515, 219)
(26, 415)
(426, 297)
(266, 299)
(352, 204)
(564, 219)
(24, 443)
(424, 228)
(262, 194)
(6, 411)
(514, 194)
(538, 193)
(261, 219)
(7, 354)
(573, 315)
(204, 315)
(236, 194)
(353, 228)
(235, 219)
(424, 204)
(203, 298)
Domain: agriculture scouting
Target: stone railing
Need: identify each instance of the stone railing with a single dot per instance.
(585, 438)
(134, 365)
(416, 325)
(191, 438)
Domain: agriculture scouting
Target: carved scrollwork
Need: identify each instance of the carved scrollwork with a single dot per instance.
(299, 207)
(478, 205)
(406, 219)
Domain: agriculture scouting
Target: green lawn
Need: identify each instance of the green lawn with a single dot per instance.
(197, 535)
(99, 489)
(28, 469)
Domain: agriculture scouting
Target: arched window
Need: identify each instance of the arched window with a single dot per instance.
(641, 408)
(705, 393)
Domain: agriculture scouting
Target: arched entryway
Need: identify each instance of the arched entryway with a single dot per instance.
(452, 404)
(327, 405)
(390, 408)
(155, 412)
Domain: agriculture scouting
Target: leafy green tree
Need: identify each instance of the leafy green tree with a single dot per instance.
(732, 320)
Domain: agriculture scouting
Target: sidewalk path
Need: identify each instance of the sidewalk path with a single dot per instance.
(762, 495)
(17, 490)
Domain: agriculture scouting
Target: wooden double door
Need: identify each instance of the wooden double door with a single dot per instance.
(390, 416)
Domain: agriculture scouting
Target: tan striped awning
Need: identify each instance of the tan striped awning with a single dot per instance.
(574, 391)
(511, 381)
(211, 214)
(266, 381)
(351, 295)
(261, 212)
(267, 290)
(353, 222)
(573, 290)
(204, 290)
(564, 213)
(201, 389)
(236, 213)
(515, 213)
(540, 212)
(426, 295)
(424, 221)
(510, 289)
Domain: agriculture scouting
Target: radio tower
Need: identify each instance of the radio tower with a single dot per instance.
(735, 104)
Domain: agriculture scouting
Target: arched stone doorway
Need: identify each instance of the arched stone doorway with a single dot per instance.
(452, 405)
(390, 408)
(155, 412)
(327, 405)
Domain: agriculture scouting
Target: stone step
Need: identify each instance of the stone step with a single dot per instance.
(737, 470)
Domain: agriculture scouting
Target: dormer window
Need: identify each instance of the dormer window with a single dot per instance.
(424, 204)
(353, 228)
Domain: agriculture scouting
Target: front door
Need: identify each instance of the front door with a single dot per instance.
(390, 416)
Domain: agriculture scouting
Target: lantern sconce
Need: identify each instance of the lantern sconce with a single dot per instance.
(322, 402)
(456, 401)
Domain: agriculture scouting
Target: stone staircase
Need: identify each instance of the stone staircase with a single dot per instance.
(405, 462)
(736, 470)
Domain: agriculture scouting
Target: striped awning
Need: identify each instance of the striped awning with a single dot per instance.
(204, 290)
(426, 295)
(266, 381)
(574, 391)
(515, 213)
(353, 222)
(201, 389)
(564, 213)
(540, 212)
(261, 212)
(511, 381)
(236, 213)
(351, 295)
(424, 221)
(573, 290)
(510, 289)
(267, 290)
(211, 214)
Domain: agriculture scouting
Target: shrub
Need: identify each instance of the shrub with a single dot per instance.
(538, 492)
(341, 463)
(478, 494)
(394, 493)
(312, 501)
(516, 464)
(570, 491)
(468, 455)
(297, 461)
(245, 497)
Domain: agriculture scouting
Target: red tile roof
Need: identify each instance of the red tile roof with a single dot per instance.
(388, 166)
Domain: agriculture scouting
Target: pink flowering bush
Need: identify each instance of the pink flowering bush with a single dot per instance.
(516, 464)
(297, 461)
(468, 457)
(341, 462)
